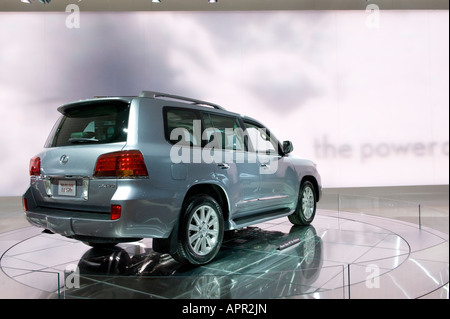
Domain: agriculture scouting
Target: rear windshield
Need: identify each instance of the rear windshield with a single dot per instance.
(91, 123)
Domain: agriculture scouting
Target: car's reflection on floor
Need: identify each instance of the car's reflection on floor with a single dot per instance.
(252, 263)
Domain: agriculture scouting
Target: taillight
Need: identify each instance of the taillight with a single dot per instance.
(116, 210)
(35, 166)
(123, 164)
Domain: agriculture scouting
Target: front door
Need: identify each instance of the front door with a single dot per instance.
(278, 180)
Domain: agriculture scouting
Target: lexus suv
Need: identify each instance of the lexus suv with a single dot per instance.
(179, 170)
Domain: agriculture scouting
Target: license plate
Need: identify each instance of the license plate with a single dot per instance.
(67, 188)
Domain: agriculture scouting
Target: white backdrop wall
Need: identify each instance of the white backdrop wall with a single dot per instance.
(369, 105)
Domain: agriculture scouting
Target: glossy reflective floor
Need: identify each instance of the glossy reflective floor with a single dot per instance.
(342, 255)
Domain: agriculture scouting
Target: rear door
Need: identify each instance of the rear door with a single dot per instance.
(84, 132)
(234, 166)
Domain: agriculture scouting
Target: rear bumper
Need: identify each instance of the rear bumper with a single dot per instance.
(73, 224)
(140, 218)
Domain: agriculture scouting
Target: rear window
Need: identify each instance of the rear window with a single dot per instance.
(91, 123)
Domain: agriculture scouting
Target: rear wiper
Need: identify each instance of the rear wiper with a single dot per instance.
(82, 140)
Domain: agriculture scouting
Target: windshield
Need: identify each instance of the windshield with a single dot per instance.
(93, 123)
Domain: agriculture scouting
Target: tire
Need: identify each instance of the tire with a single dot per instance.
(200, 231)
(306, 206)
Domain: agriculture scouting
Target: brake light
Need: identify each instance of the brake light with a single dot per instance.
(116, 210)
(35, 166)
(123, 164)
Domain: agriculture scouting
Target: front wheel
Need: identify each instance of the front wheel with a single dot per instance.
(201, 231)
(306, 206)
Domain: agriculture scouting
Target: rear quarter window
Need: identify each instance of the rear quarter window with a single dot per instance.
(91, 123)
(179, 127)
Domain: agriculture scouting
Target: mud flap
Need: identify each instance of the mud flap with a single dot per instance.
(166, 245)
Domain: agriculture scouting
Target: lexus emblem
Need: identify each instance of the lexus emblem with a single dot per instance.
(64, 159)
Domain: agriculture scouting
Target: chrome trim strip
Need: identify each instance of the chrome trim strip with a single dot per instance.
(260, 199)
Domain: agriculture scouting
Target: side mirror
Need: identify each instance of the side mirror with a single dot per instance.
(287, 147)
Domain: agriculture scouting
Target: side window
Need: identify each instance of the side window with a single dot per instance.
(260, 139)
(179, 127)
(223, 132)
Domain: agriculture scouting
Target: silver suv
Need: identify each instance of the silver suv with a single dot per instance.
(178, 170)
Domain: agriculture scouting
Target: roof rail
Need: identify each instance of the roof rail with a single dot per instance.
(152, 94)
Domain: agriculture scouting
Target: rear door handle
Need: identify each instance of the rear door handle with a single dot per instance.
(223, 166)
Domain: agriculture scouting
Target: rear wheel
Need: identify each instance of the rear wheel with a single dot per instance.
(306, 205)
(201, 231)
